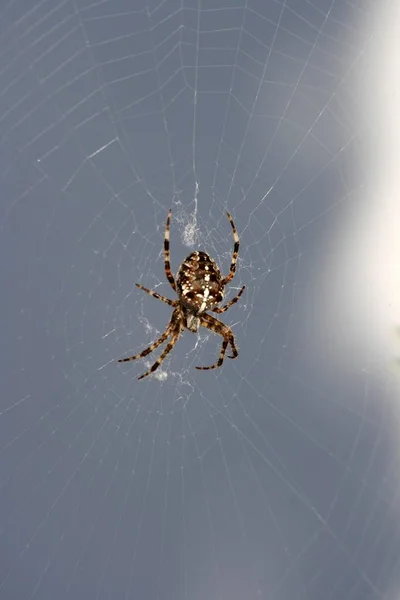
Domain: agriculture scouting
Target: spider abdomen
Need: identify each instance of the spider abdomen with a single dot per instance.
(199, 282)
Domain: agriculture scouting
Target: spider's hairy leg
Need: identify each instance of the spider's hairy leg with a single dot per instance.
(174, 338)
(218, 327)
(167, 258)
(222, 309)
(158, 296)
(235, 254)
(157, 343)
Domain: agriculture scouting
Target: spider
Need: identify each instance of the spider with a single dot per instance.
(200, 287)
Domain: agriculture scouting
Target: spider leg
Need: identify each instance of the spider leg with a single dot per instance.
(155, 295)
(157, 343)
(167, 260)
(224, 308)
(174, 338)
(218, 327)
(235, 254)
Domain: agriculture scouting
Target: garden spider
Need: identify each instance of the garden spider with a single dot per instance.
(200, 287)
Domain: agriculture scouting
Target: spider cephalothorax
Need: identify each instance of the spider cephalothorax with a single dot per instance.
(200, 287)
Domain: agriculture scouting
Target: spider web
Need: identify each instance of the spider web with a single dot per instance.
(276, 476)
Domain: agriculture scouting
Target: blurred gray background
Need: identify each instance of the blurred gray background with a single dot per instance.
(271, 478)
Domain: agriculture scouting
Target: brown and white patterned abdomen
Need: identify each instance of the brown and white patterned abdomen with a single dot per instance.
(199, 282)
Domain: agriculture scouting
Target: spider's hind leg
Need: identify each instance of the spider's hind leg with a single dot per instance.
(235, 254)
(167, 259)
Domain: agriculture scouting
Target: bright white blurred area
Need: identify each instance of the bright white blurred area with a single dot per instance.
(360, 309)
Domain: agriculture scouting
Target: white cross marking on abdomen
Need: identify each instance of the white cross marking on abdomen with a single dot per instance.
(205, 296)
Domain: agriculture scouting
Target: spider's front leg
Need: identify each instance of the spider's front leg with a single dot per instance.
(226, 332)
(157, 343)
(174, 338)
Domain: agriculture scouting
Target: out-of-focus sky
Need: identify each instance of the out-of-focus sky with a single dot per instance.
(276, 476)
